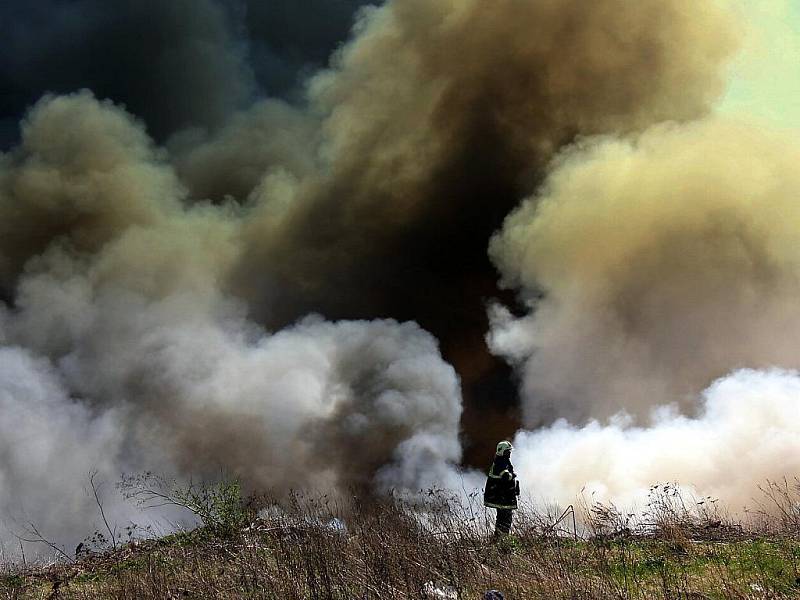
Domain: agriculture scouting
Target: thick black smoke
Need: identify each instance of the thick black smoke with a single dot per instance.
(289, 40)
(174, 63)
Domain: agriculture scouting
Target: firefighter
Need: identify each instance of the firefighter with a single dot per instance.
(502, 488)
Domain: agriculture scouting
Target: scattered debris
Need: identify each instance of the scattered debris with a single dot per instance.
(433, 592)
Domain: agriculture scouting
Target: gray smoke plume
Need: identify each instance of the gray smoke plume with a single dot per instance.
(49, 445)
(146, 362)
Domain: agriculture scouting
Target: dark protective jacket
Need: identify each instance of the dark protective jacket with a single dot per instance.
(502, 488)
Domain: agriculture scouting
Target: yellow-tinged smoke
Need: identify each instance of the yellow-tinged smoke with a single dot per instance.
(654, 267)
(664, 262)
(439, 116)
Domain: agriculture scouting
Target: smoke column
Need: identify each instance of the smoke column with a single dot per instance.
(434, 121)
(257, 294)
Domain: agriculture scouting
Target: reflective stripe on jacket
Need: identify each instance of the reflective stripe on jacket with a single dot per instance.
(501, 485)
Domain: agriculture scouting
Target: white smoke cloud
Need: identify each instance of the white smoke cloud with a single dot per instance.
(317, 405)
(49, 444)
(746, 430)
(185, 384)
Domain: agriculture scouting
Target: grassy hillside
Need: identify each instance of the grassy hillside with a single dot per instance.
(392, 549)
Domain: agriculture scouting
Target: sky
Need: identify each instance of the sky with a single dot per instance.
(765, 78)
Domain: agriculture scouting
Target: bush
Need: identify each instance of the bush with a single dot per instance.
(219, 506)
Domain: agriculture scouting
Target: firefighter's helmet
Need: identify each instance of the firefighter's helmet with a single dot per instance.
(502, 447)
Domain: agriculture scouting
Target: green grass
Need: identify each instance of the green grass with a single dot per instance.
(11, 582)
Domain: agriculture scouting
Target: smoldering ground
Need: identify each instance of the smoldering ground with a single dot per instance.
(164, 288)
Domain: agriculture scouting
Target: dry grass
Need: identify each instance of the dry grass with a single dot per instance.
(392, 548)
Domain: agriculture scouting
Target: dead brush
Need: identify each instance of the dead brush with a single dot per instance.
(433, 544)
(674, 515)
(778, 509)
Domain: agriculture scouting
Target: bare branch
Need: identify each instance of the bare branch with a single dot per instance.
(38, 538)
(95, 489)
